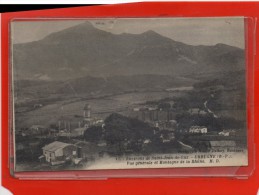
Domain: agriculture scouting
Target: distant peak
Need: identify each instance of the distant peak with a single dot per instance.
(221, 44)
(85, 25)
(150, 32)
(82, 28)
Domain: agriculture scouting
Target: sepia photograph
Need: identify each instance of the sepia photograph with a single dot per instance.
(128, 93)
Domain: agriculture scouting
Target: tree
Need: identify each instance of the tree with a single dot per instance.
(116, 128)
(181, 104)
(93, 134)
(120, 129)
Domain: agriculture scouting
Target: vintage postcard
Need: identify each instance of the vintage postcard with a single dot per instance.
(126, 93)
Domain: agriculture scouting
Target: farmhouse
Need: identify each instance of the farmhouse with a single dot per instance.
(198, 129)
(59, 152)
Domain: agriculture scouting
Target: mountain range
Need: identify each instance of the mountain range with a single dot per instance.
(83, 50)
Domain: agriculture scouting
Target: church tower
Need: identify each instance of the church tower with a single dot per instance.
(87, 111)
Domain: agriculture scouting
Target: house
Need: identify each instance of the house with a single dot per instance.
(37, 129)
(224, 133)
(99, 122)
(64, 133)
(152, 108)
(198, 129)
(146, 141)
(228, 132)
(78, 132)
(197, 111)
(59, 152)
(136, 109)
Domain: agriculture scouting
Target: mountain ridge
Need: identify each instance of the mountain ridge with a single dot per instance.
(84, 50)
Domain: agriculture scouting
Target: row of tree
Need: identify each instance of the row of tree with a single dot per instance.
(119, 128)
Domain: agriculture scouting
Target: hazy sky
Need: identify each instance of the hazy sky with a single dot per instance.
(193, 31)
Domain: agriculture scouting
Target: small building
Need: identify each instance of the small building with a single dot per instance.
(78, 132)
(64, 133)
(198, 129)
(197, 111)
(152, 108)
(146, 141)
(59, 152)
(37, 127)
(53, 132)
(136, 109)
(228, 132)
(37, 105)
(99, 122)
(224, 133)
(36, 130)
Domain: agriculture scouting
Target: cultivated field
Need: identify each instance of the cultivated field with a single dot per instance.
(101, 107)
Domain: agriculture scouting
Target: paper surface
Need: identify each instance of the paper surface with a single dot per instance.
(129, 93)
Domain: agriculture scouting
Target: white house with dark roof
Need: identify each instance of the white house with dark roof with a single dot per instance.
(198, 129)
(59, 152)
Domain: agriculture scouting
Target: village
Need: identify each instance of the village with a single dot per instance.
(79, 140)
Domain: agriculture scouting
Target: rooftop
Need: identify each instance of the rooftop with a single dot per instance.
(55, 146)
(197, 127)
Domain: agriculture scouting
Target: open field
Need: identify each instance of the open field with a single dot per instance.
(101, 107)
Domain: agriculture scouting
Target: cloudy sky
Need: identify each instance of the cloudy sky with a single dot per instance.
(193, 31)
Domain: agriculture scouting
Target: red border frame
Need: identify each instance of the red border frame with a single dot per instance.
(137, 185)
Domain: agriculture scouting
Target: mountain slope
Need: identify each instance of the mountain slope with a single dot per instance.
(83, 50)
(98, 86)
